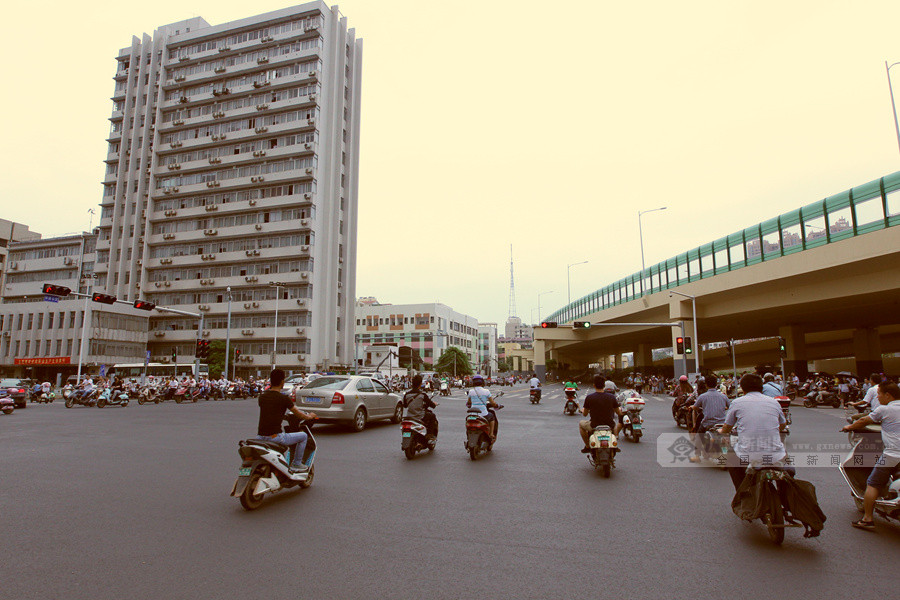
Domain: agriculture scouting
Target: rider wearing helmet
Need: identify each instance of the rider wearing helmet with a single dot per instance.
(480, 398)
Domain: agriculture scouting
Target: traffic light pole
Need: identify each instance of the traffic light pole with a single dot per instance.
(84, 320)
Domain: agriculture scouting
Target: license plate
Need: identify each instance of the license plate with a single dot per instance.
(245, 471)
(636, 426)
(312, 400)
(407, 434)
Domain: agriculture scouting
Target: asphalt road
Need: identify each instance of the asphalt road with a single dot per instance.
(133, 503)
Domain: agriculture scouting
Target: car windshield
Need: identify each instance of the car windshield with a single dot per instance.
(328, 383)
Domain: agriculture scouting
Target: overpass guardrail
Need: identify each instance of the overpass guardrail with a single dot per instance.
(860, 210)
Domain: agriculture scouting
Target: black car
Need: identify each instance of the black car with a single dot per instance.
(17, 389)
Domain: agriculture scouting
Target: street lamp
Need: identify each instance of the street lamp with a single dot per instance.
(277, 285)
(696, 343)
(539, 303)
(228, 332)
(568, 279)
(887, 69)
(641, 235)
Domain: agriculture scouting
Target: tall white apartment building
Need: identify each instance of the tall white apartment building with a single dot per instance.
(233, 166)
(429, 329)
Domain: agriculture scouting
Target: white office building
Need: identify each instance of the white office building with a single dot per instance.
(41, 339)
(428, 329)
(232, 174)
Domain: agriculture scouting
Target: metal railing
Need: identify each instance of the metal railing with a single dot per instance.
(866, 208)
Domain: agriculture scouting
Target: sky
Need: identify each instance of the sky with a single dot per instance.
(542, 126)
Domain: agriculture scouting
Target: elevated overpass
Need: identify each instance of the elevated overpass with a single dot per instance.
(826, 277)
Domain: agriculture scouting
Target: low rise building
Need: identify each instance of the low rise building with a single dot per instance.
(429, 329)
(40, 337)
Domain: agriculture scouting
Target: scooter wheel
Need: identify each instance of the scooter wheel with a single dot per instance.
(809, 404)
(410, 452)
(249, 500)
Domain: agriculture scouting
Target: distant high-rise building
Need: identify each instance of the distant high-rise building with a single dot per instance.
(232, 178)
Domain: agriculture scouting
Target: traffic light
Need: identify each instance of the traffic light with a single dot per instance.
(103, 298)
(56, 290)
(548, 324)
(175, 355)
(728, 349)
(679, 345)
(198, 351)
(782, 346)
(581, 325)
(144, 305)
(237, 354)
(688, 347)
(205, 350)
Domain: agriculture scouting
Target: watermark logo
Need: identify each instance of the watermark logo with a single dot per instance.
(681, 449)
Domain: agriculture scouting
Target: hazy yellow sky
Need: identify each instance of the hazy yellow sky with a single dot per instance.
(543, 125)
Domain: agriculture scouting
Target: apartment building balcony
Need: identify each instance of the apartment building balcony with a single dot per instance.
(236, 256)
(241, 88)
(235, 160)
(246, 68)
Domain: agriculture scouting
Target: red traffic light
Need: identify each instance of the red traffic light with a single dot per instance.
(144, 305)
(679, 345)
(56, 290)
(548, 324)
(103, 298)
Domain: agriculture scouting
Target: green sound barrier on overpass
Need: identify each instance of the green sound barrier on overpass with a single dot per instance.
(863, 209)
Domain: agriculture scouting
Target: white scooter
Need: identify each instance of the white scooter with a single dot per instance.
(266, 466)
(867, 447)
(632, 421)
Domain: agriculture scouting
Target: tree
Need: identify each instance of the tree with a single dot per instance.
(551, 364)
(216, 358)
(455, 361)
(503, 365)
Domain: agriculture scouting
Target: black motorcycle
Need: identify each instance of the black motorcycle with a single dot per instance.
(535, 396)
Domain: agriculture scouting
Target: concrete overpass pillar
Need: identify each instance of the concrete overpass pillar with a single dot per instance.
(867, 350)
(643, 356)
(618, 361)
(540, 366)
(795, 346)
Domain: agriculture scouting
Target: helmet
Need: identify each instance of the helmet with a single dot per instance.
(768, 377)
(682, 378)
(477, 380)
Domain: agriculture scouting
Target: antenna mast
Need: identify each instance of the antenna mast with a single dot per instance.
(512, 286)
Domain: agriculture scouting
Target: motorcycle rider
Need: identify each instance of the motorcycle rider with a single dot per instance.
(535, 384)
(771, 387)
(602, 408)
(759, 421)
(480, 397)
(571, 386)
(888, 416)
(418, 405)
(87, 388)
(870, 400)
(714, 405)
(272, 405)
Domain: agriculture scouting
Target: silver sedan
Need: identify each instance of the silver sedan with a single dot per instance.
(351, 399)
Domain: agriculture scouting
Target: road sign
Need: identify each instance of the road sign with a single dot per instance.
(51, 298)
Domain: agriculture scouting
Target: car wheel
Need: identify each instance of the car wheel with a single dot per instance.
(359, 419)
(398, 414)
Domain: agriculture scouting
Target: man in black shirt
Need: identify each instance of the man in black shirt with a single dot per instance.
(417, 405)
(602, 407)
(272, 406)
